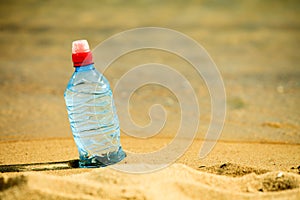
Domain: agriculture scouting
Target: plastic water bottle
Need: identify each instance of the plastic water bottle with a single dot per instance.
(92, 113)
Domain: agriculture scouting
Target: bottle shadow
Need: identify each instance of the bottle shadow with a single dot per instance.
(45, 166)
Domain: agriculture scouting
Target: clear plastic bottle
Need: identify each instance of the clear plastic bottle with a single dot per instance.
(92, 113)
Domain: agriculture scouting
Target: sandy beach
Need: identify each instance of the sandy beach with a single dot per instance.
(256, 48)
(231, 171)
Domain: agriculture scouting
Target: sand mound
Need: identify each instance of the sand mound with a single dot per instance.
(231, 169)
(175, 182)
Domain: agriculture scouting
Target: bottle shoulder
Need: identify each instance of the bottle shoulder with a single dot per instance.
(88, 81)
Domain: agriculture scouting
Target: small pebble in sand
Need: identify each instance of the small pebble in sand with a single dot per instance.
(280, 174)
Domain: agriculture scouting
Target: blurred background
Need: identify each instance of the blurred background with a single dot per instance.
(254, 43)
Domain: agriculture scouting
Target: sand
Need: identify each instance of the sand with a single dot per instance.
(176, 182)
(231, 171)
(256, 48)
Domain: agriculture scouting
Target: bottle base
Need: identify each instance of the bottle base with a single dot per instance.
(103, 160)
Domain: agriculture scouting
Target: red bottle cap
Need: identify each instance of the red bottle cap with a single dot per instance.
(81, 53)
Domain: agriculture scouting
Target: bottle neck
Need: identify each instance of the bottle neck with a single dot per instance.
(84, 68)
